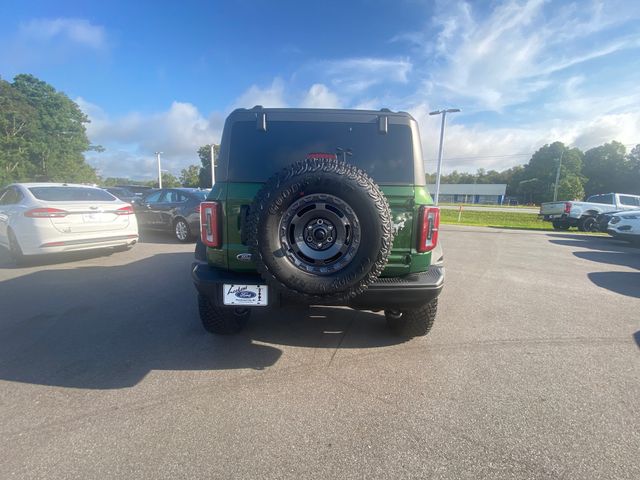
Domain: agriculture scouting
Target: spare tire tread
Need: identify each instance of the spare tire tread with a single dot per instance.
(265, 199)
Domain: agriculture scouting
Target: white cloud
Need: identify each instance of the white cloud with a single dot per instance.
(624, 127)
(75, 30)
(469, 147)
(319, 96)
(132, 139)
(354, 75)
(269, 97)
(510, 55)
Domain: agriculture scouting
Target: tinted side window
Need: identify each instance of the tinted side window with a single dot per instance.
(255, 155)
(173, 197)
(9, 197)
(153, 198)
(605, 199)
(17, 195)
(629, 200)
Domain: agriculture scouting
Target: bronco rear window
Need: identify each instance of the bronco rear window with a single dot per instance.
(255, 155)
(71, 194)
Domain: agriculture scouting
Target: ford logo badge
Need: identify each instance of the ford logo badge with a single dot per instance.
(244, 257)
(245, 294)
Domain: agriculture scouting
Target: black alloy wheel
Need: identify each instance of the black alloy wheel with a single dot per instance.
(320, 233)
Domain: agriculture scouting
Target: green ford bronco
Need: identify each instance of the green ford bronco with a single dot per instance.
(319, 207)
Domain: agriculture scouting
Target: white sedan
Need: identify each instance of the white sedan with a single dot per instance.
(625, 226)
(40, 218)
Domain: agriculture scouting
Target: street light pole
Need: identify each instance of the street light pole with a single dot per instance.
(213, 165)
(555, 188)
(439, 171)
(159, 170)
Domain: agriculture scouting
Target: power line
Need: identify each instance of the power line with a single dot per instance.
(487, 156)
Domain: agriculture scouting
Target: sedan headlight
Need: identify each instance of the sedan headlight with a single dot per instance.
(614, 220)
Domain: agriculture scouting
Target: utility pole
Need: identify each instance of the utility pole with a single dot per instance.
(159, 170)
(439, 171)
(555, 188)
(213, 165)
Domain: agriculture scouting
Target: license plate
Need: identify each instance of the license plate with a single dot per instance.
(92, 217)
(256, 295)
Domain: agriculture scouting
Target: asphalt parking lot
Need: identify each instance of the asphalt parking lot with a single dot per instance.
(532, 370)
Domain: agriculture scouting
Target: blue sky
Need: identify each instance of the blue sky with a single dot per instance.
(163, 77)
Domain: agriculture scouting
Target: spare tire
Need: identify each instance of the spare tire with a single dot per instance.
(320, 229)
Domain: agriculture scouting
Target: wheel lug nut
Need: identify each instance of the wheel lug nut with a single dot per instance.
(309, 239)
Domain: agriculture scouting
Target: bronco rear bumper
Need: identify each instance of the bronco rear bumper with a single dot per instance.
(395, 293)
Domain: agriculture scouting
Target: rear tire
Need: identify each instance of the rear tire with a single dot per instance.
(560, 225)
(14, 249)
(181, 230)
(415, 322)
(587, 224)
(221, 320)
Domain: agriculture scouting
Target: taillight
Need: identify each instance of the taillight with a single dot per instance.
(429, 218)
(46, 213)
(567, 208)
(210, 224)
(127, 210)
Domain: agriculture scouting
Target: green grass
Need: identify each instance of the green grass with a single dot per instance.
(515, 207)
(528, 221)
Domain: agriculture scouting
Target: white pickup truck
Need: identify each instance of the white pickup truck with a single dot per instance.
(564, 215)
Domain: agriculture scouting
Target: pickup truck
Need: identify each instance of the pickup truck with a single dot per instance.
(564, 215)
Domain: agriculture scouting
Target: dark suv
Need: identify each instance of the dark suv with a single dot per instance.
(319, 207)
(175, 210)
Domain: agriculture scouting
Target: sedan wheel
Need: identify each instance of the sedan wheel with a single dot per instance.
(14, 248)
(182, 231)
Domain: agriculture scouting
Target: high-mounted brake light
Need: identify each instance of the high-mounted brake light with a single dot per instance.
(210, 224)
(428, 226)
(567, 208)
(46, 213)
(126, 210)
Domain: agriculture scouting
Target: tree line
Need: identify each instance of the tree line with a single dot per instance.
(42, 134)
(603, 169)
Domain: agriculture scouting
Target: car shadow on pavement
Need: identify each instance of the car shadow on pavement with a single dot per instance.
(607, 251)
(159, 237)
(107, 327)
(6, 262)
(624, 283)
(593, 242)
(636, 337)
